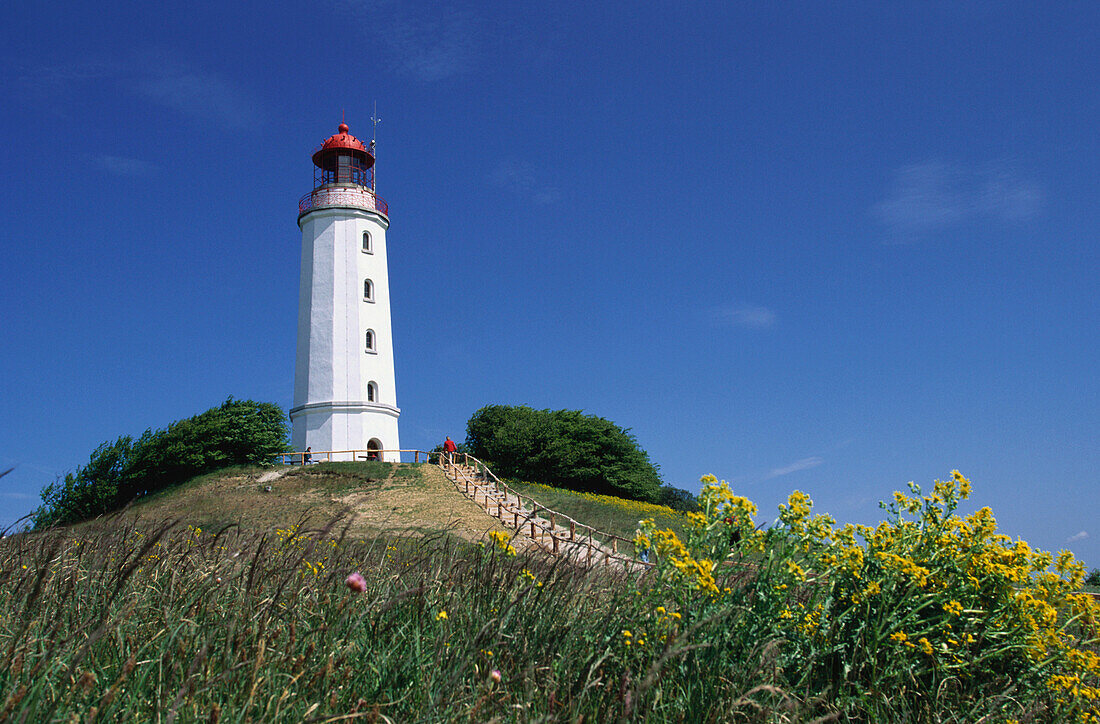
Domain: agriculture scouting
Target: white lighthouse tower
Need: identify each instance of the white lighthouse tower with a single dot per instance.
(345, 396)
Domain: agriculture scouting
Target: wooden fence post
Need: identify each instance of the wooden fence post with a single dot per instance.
(572, 531)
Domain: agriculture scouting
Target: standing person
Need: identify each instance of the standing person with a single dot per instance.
(307, 456)
(450, 448)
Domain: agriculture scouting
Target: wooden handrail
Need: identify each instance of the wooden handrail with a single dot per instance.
(550, 527)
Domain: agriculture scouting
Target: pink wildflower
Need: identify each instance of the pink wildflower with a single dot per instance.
(356, 582)
(495, 676)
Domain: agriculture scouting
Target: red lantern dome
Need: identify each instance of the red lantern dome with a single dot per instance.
(327, 157)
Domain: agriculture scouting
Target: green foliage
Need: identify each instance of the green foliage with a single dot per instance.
(678, 499)
(239, 432)
(565, 448)
(1093, 578)
(89, 491)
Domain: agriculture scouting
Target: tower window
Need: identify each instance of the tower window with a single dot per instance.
(367, 248)
(368, 290)
(372, 392)
(370, 341)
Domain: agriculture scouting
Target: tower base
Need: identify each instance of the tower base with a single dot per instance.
(346, 426)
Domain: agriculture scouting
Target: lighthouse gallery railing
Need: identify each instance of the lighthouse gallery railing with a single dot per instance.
(356, 197)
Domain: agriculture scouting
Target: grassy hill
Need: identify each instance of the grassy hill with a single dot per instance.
(371, 498)
(128, 618)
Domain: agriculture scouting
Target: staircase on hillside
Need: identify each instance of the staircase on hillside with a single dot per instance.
(554, 532)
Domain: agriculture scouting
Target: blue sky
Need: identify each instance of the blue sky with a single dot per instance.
(825, 246)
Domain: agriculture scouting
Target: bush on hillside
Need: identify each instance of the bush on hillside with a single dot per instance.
(565, 448)
(678, 499)
(239, 432)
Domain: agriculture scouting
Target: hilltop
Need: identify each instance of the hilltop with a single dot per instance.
(371, 498)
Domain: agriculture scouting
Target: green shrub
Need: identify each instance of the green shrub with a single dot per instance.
(565, 448)
(239, 432)
(678, 499)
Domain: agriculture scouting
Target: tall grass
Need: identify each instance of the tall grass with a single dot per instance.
(178, 623)
(172, 623)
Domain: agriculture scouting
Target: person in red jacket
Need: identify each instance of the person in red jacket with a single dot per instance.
(450, 448)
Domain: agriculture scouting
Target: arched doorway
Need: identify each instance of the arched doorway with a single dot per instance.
(374, 448)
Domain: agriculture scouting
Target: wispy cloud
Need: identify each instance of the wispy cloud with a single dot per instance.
(123, 166)
(56, 77)
(803, 464)
(171, 82)
(933, 195)
(160, 76)
(1078, 537)
(18, 496)
(430, 44)
(520, 177)
(746, 315)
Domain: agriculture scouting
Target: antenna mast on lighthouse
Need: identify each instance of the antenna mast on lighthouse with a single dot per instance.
(374, 137)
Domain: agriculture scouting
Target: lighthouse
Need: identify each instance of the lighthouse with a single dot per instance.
(345, 396)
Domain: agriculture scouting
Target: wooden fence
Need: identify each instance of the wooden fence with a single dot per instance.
(330, 456)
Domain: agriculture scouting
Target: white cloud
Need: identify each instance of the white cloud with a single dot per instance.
(161, 77)
(746, 315)
(929, 196)
(803, 464)
(173, 84)
(1077, 538)
(18, 496)
(54, 78)
(122, 166)
(430, 44)
(520, 177)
